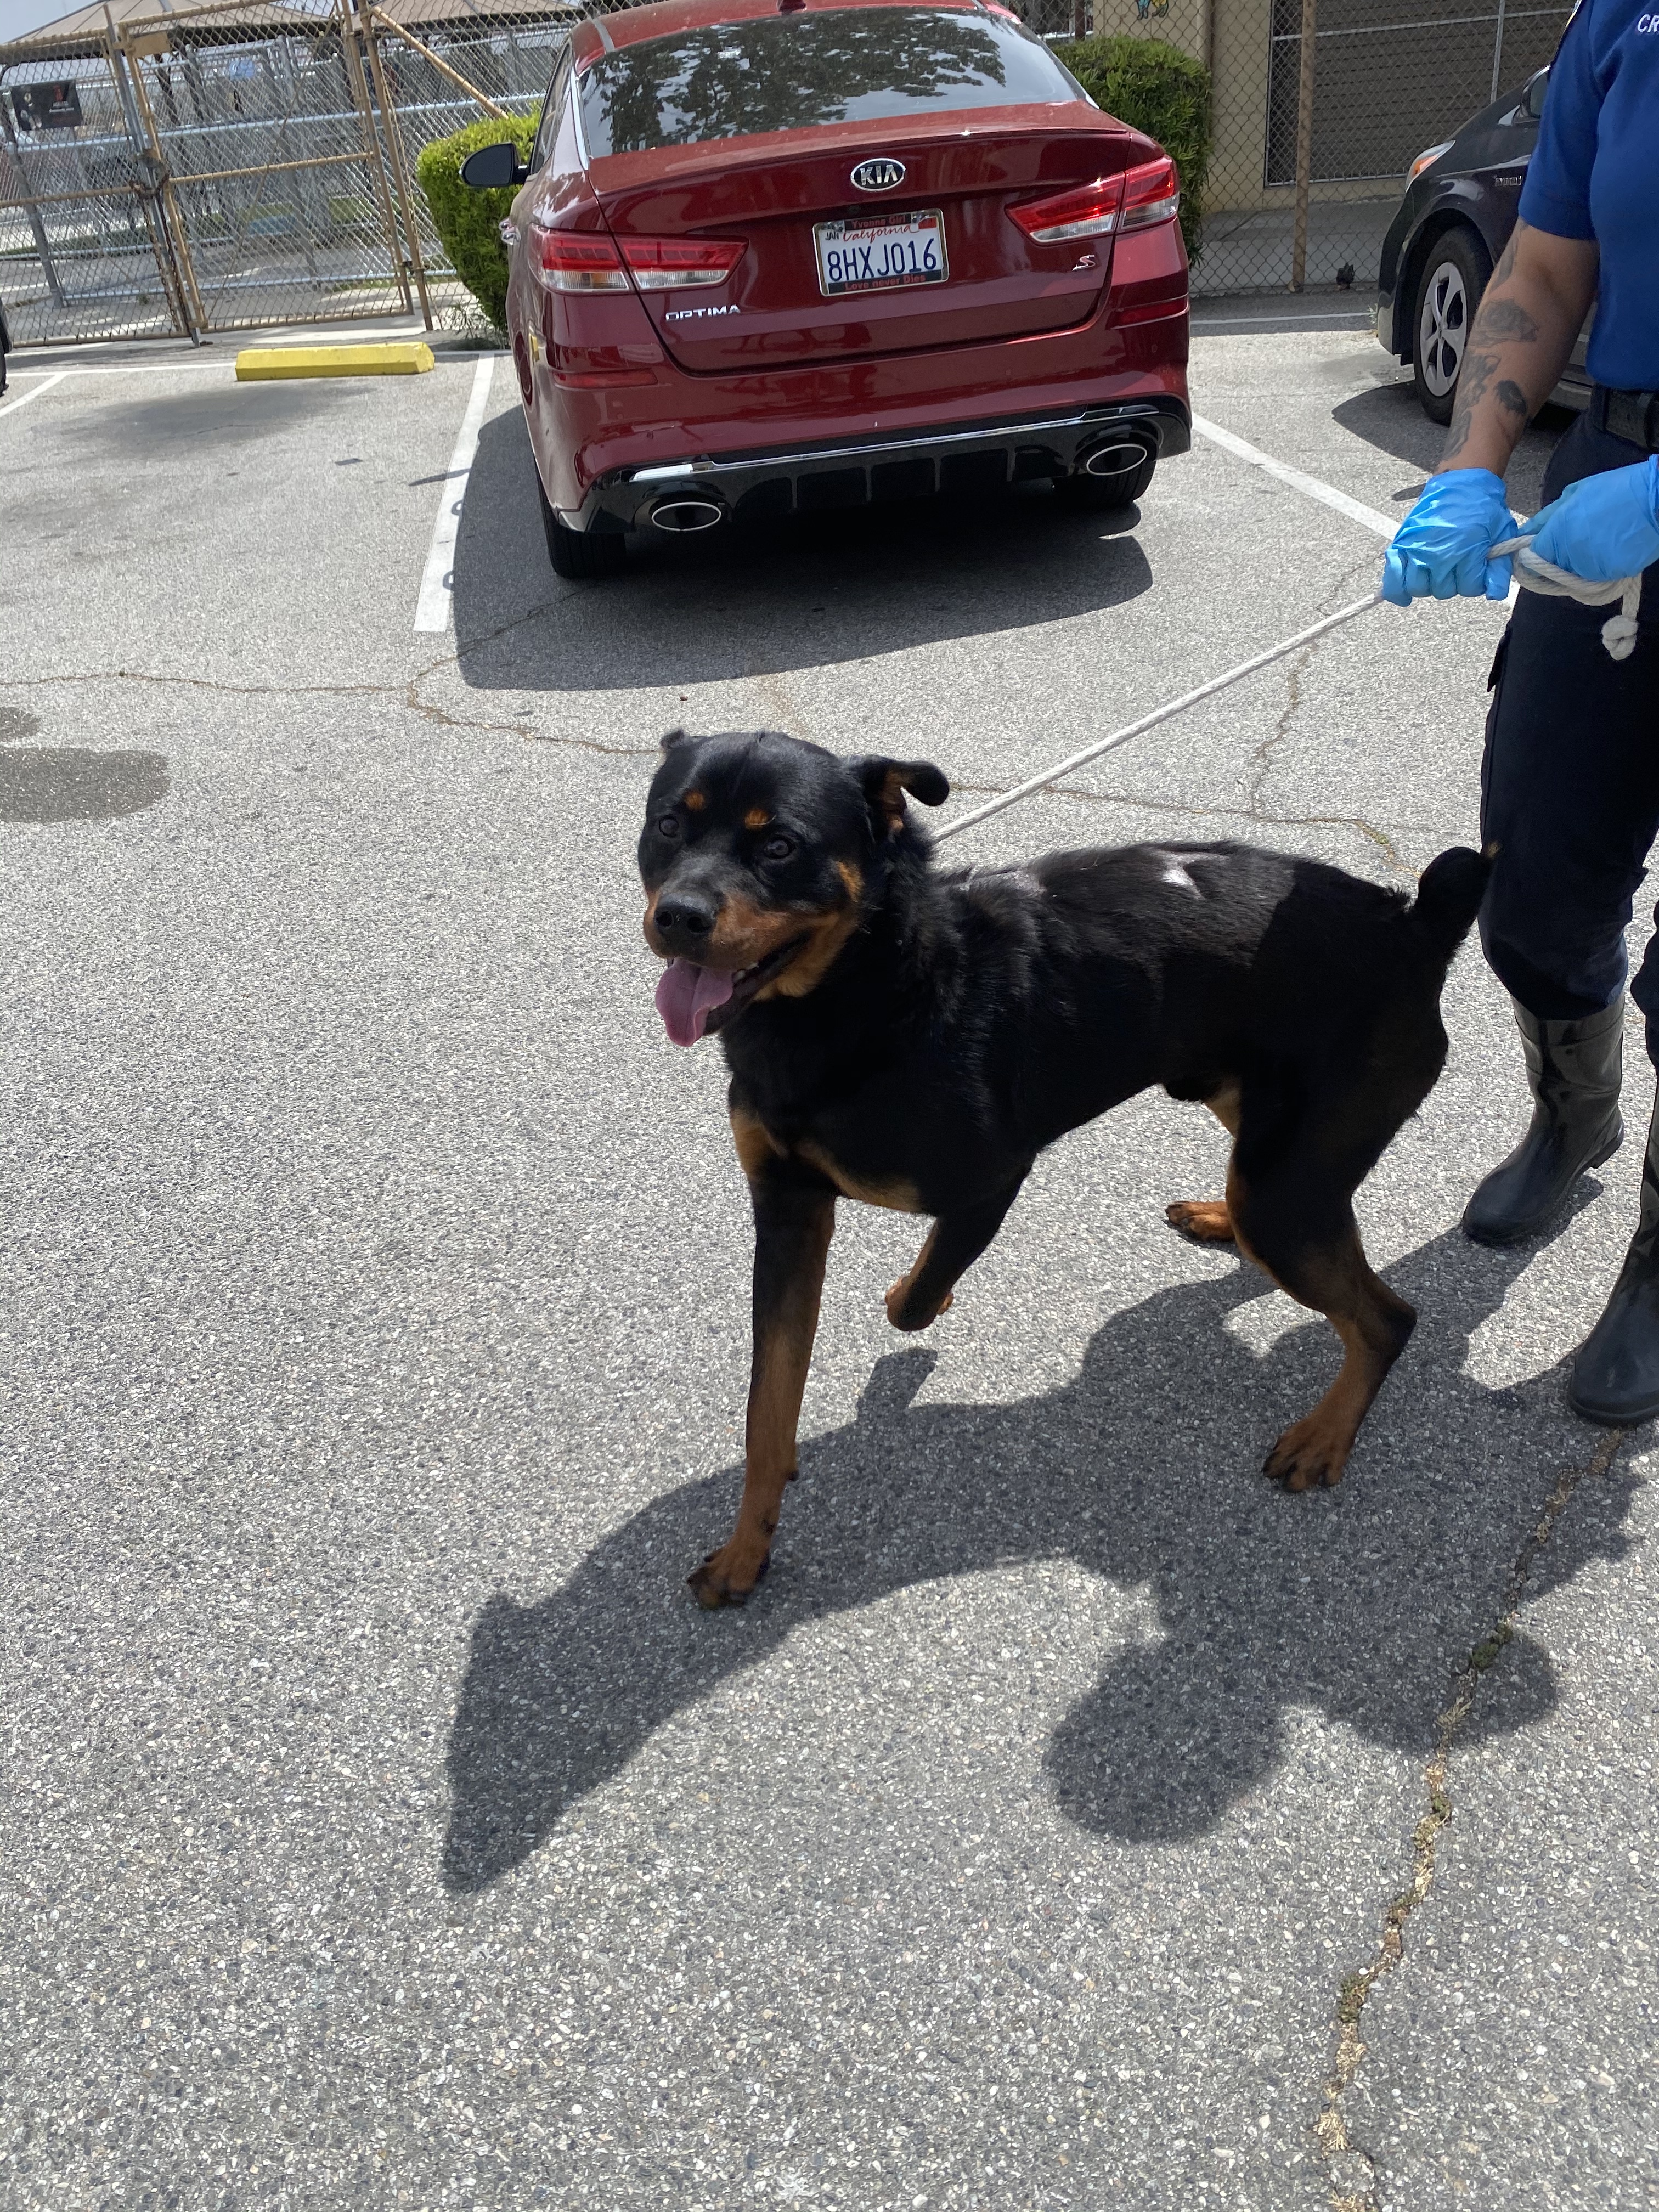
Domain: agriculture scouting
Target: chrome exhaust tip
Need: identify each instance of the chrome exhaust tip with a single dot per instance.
(1116, 459)
(680, 514)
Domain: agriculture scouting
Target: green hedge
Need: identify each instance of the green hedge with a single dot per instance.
(1155, 88)
(469, 222)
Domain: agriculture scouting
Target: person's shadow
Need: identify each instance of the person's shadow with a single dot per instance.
(1355, 1603)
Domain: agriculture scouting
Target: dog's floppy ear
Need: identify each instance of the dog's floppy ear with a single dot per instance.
(675, 737)
(885, 782)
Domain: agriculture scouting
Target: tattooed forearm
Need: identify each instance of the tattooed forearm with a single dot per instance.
(1519, 341)
(1503, 321)
(1478, 370)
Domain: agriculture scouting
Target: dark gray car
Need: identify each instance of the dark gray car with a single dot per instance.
(1460, 207)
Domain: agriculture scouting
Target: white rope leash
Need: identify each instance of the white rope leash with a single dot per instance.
(1532, 572)
(1535, 574)
(1033, 784)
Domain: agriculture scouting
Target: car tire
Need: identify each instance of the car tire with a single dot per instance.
(581, 555)
(1098, 495)
(1454, 274)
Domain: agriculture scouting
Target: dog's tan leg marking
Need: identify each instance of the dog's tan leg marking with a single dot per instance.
(893, 1192)
(1223, 1105)
(758, 1148)
(952, 1245)
(900, 1311)
(794, 1218)
(1207, 1220)
(1334, 1279)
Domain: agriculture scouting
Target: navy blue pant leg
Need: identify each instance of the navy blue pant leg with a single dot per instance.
(1570, 791)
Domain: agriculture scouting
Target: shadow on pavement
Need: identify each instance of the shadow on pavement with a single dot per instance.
(43, 784)
(763, 600)
(1354, 1603)
(1389, 417)
(176, 425)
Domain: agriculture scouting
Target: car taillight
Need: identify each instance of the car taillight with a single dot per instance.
(663, 264)
(1152, 194)
(578, 261)
(1132, 200)
(1083, 212)
(584, 261)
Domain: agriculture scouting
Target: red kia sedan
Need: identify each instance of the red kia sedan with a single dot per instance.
(772, 257)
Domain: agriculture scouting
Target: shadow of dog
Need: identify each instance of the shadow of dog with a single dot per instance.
(1356, 1603)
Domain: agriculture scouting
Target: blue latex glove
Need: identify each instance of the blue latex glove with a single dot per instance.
(1602, 526)
(1440, 549)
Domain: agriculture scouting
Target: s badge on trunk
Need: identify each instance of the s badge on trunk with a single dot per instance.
(878, 176)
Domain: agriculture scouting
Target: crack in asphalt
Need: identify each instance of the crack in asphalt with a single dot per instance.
(408, 695)
(1351, 2171)
(403, 695)
(1262, 759)
(1256, 814)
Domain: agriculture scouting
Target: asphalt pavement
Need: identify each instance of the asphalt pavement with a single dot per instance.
(1073, 1819)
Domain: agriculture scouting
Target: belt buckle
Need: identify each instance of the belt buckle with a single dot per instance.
(1634, 417)
(1631, 417)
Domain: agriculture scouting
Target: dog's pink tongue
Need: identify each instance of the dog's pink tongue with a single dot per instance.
(687, 995)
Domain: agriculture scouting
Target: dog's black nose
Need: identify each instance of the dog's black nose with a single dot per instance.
(685, 920)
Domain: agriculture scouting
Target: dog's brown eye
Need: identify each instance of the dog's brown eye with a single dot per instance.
(778, 849)
(668, 825)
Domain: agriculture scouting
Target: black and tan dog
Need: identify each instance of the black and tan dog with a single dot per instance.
(913, 1038)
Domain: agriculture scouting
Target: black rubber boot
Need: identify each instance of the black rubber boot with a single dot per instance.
(1573, 1070)
(1615, 1378)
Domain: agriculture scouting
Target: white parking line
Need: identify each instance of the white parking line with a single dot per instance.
(12, 405)
(434, 608)
(1311, 486)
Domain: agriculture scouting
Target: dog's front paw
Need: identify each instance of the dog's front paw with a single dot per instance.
(1205, 1220)
(909, 1317)
(1310, 1454)
(727, 1576)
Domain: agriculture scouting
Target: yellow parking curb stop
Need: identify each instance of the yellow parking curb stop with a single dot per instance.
(262, 364)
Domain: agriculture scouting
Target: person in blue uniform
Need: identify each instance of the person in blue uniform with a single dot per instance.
(1570, 780)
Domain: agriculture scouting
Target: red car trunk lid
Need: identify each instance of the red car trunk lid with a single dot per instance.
(774, 193)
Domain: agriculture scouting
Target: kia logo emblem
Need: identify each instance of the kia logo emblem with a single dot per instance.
(878, 176)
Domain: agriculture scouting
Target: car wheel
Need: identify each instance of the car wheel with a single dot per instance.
(580, 554)
(1454, 277)
(1096, 494)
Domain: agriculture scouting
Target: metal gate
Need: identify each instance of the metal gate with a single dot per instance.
(244, 162)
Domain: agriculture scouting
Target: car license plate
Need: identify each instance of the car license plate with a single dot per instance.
(878, 256)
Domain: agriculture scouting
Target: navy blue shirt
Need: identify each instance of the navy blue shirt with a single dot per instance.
(1595, 174)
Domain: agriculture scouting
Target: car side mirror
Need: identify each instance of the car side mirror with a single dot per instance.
(1532, 99)
(491, 168)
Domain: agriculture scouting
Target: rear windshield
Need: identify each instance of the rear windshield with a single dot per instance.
(786, 72)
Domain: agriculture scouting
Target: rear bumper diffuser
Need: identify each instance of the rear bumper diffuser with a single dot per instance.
(966, 459)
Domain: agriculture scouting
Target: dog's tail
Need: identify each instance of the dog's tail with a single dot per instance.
(1448, 897)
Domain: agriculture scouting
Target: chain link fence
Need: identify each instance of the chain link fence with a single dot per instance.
(233, 164)
(1319, 108)
(249, 162)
